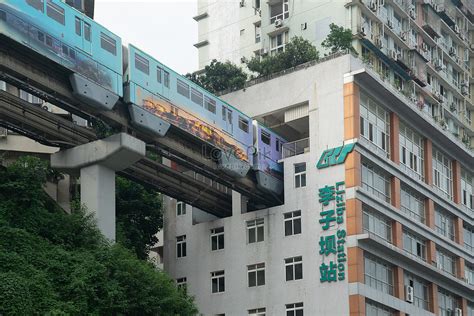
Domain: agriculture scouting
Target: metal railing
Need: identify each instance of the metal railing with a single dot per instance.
(297, 147)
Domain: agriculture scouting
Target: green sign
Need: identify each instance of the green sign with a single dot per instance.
(332, 243)
(334, 156)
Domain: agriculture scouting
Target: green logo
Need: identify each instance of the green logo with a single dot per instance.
(334, 156)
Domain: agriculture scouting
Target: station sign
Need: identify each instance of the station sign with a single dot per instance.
(334, 156)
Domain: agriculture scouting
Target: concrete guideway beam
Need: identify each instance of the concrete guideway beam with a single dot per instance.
(98, 161)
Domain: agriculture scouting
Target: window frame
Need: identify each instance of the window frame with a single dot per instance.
(291, 266)
(218, 276)
(410, 200)
(143, 62)
(180, 208)
(414, 240)
(300, 176)
(385, 286)
(181, 251)
(292, 218)
(375, 115)
(412, 155)
(218, 235)
(256, 273)
(255, 225)
(375, 174)
(442, 163)
(377, 223)
(294, 309)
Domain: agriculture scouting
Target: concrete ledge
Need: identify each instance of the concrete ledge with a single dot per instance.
(116, 152)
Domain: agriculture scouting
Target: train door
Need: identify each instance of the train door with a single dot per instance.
(227, 119)
(84, 30)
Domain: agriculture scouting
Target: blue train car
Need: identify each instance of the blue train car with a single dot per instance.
(159, 97)
(268, 169)
(70, 38)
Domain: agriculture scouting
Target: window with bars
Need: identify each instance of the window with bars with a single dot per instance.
(377, 224)
(420, 290)
(414, 244)
(375, 123)
(217, 238)
(255, 230)
(292, 222)
(294, 268)
(300, 175)
(376, 181)
(412, 204)
(445, 261)
(467, 191)
(256, 274)
(444, 223)
(442, 173)
(447, 303)
(378, 274)
(411, 152)
(218, 281)
(181, 246)
(295, 309)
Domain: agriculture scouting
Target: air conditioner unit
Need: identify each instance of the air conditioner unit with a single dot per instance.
(456, 29)
(390, 24)
(394, 55)
(242, 3)
(412, 14)
(263, 51)
(464, 83)
(464, 91)
(403, 36)
(278, 22)
(379, 43)
(438, 64)
(452, 51)
(409, 294)
(457, 312)
(304, 26)
(3, 132)
(373, 6)
(424, 47)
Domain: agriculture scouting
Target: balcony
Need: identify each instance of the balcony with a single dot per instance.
(295, 148)
(431, 23)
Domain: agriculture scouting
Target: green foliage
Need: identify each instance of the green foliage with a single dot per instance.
(139, 216)
(58, 264)
(298, 51)
(220, 76)
(338, 39)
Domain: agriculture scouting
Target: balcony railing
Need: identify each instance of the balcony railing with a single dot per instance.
(297, 147)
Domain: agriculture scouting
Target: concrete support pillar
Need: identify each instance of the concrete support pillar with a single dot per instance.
(239, 203)
(456, 182)
(433, 297)
(394, 138)
(395, 192)
(430, 213)
(428, 170)
(357, 305)
(97, 162)
(397, 234)
(354, 216)
(458, 231)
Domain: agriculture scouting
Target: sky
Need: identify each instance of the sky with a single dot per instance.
(162, 28)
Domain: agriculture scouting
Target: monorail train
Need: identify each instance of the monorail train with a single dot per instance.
(158, 98)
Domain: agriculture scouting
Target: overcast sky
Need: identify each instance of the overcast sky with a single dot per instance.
(162, 28)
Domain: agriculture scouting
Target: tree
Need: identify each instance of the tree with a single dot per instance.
(59, 264)
(298, 51)
(139, 216)
(220, 76)
(338, 39)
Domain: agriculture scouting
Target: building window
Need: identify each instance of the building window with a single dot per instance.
(257, 312)
(55, 12)
(414, 245)
(279, 11)
(255, 230)
(181, 246)
(294, 268)
(256, 274)
(444, 223)
(108, 43)
(166, 78)
(469, 274)
(378, 274)
(292, 222)
(278, 43)
(376, 309)
(258, 33)
(445, 262)
(181, 284)
(442, 173)
(420, 290)
(447, 303)
(300, 175)
(467, 191)
(412, 204)
(377, 224)
(376, 181)
(210, 104)
(469, 238)
(374, 123)
(217, 281)
(295, 309)
(411, 152)
(217, 238)
(142, 64)
(180, 208)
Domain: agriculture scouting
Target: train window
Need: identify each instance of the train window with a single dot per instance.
(277, 145)
(3, 15)
(196, 96)
(182, 88)
(108, 43)
(65, 49)
(210, 104)
(41, 37)
(243, 124)
(72, 53)
(158, 74)
(37, 4)
(142, 64)
(265, 137)
(55, 12)
(49, 41)
(87, 32)
(167, 79)
(78, 26)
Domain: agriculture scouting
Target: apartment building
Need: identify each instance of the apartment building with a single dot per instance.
(377, 216)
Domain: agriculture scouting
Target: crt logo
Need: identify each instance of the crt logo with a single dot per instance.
(334, 156)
